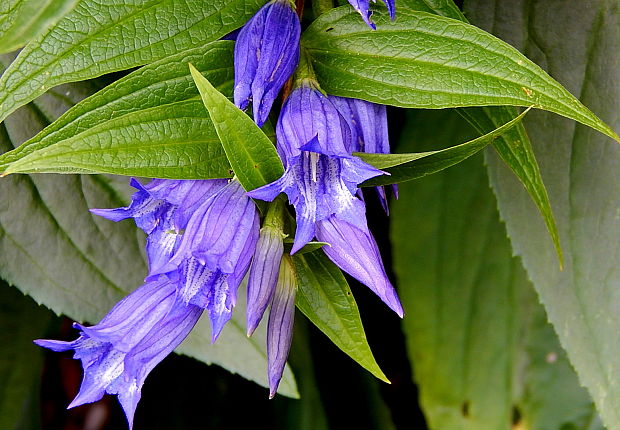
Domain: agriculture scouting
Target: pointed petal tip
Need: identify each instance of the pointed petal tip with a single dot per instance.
(394, 304)
(398, 308)
(251, 328)
(54, 345)
(76, 402)
(214, 337)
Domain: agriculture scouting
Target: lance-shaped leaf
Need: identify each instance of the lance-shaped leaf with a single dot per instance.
(514, 147)
(485, 356)
(102, 37)
(324, 296)
(23, 20)
(580, 45)
(428, 61)
(405, 167)
(250, 152)
(150, 123)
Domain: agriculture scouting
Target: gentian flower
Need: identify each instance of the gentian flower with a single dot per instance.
(363, 8)
(203, 232)
(355, 251)
(118, 353)
(321, 175)
(280, 324)
(162, 209)
(266, 54)
(265, 266)
(214, 252)
(321, 181)
(201, 237)
(369, 129)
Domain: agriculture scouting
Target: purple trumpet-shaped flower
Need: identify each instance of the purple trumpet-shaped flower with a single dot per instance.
(118, 353)
(363, 8)
(214, 252)
(369, 130)
(321, 180)
(280, 324)
(265, 267)
(321, 175)
(202, 234)
(266, 54)
(162, 209)
(355, 251)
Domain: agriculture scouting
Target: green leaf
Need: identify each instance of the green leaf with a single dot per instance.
(23, 20)
(516, 151)
(102, 37)
(405, 167)
(580, 46)
(53, 249)
(324, 296)
(482, 351)
(308, 247)
(46, 228)
(150, 123)
(427, 61)
(251, 154)
(21, 362)
(514, 146)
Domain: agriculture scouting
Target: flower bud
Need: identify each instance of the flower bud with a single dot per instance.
(266, 54)
(263, 274)
(280, 326)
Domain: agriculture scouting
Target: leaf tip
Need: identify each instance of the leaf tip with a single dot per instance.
(383, 378)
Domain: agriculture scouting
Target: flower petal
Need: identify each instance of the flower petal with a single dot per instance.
(355, 251)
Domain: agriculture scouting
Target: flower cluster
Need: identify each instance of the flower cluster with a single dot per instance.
(205, 236)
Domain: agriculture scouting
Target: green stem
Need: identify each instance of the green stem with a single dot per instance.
(304, 71)
(275, 214)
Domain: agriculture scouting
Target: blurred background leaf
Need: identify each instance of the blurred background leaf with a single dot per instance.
(579, 44)
(21, 362)
(483, 353)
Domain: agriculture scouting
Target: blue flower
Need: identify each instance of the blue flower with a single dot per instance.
(214, 251)
(201, 238)
(369, 129)
(162, 209)
(280, 324)
(363, 8)
(264, 271)
(118, 353)
(321, 175)
(321, 181)
(266, 54)
(355, 251)
(201, 233)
